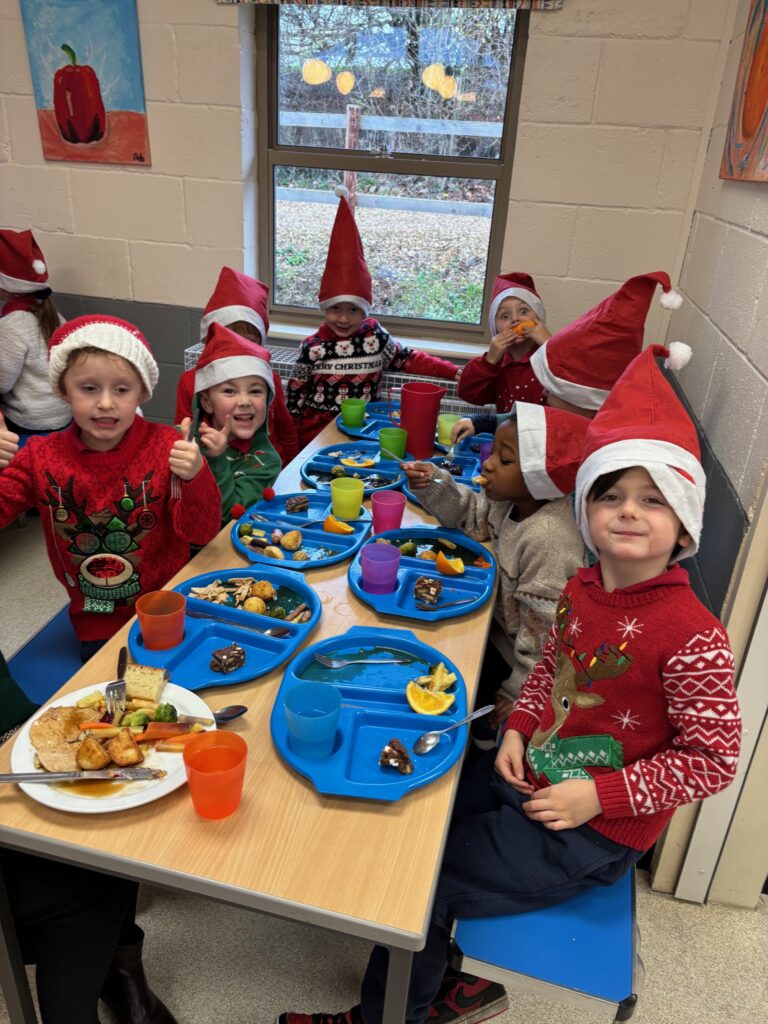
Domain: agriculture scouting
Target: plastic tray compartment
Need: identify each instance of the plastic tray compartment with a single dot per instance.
(377, 415)
(322, 462)
(324, 548)
(467, 455)
(374, 710)
(475, 583)
(189, 663)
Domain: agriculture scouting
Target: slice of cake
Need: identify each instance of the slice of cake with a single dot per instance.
(144, 683)
(394, 755)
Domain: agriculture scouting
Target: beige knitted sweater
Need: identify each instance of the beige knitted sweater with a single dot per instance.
(536, 557)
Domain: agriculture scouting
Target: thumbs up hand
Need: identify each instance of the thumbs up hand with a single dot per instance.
(215, 441)
(186, 460)
(9, 444)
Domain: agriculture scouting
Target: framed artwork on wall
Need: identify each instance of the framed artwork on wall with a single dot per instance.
(745, 154)
(85, 61)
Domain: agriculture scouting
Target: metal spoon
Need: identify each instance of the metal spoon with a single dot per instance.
(229, 713)
(429, 740)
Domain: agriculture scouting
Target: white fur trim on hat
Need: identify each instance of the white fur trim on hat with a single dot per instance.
(19, 287)
(659, 458)
(516, 292)
(356, 300)
(231, 368)
(532, 446)
(230, 315)
(577, 394)
(109, 337)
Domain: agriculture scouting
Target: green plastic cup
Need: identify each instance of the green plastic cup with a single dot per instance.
(444, 426)
(346, 497)
(352, 412)
(394, 440)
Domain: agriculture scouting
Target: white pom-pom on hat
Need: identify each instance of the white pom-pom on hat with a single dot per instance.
(38, 266)
(342, 191)
(679, 355)
(671, 299)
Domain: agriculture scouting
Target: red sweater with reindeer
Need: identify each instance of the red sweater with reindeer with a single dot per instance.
(112, 529)
(634, 690)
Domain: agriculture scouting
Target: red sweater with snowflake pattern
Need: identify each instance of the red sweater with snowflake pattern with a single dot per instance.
(634, 690)
(112, 529)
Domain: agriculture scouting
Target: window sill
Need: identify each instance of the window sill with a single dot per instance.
(454, 350)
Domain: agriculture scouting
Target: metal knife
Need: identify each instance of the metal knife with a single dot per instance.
(109, 774)
(122, 662)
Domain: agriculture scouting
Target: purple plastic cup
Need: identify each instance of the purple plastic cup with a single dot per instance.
(387, 508)
(485, 452)
(378, 565)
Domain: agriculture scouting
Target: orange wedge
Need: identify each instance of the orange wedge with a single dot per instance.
(428, 702)
(333, 525)
(363, 464)
(449, 566)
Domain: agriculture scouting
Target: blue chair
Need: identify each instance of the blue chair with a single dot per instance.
(48, 659)
(583, 952)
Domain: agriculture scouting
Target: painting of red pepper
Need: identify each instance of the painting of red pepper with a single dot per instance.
(85, 61)
(745, 154)
(77, 101)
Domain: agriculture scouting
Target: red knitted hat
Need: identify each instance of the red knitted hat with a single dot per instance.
(581, 362)
(517, 286)
(550, 443)
(346, 277)
(237, 297)
(22, 265)
(643, 423)
(107, 333)
(228, 355)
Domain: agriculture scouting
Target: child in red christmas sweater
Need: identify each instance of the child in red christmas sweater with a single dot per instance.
(346, 357)
(630, 713)
(114, 526)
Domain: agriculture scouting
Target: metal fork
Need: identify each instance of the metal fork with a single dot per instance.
(114, 694)
(176, 481)
(343, 662)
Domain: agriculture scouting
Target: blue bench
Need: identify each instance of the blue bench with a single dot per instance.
(48, 659)
(583, 952)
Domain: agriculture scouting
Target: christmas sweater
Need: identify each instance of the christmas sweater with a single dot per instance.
(111, 527)
(25, 392)
(280, 423)
(536, 557)
(500, 384)
(634, 690)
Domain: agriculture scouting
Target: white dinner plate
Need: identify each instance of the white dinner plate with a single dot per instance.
(133, 794)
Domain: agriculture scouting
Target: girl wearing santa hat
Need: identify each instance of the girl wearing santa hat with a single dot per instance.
(28, 318)
(351, 349)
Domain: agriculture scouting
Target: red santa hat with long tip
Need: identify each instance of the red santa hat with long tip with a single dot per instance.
(550, 442)
(22, 265)
(108, 333)
(228, 355)
(643, 423)
(237, 297)
(581, 362)
(514, 286)
(346, 277)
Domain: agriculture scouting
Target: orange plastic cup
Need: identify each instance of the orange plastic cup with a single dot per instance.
(215, 765)
(161, 618)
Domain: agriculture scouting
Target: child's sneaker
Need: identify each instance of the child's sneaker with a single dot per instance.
(470, 1001)
(353, 1016)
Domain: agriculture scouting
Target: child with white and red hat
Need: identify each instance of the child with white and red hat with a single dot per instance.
(239, 302)
(630, 712)
(235, 386)
(114, 526)
(348, 354)
(28, 318)
(517, 322)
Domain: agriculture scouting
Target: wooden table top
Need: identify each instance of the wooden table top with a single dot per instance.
(287, 849)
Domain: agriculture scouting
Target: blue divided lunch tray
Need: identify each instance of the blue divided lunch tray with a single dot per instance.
(374, 710)
(317, 470)
(466, 455)
(323, 548)
(475, 584)
(189, 663)
(376, 416)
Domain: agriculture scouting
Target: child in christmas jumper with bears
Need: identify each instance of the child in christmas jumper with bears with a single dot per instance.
(234, 388)
(239, 302)
(346, 357)
(28, 318)
(114, 526)
(630, 713)
(524, 510)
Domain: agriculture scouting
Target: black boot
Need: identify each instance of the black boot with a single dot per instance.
(126, 992)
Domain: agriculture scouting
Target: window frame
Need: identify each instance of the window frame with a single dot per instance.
(270, 153)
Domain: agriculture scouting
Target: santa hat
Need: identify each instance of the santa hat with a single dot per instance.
(237, 297)
(581, 363)
(346, 277)
(22, 267)
(228, 355)
(643, 423)
(107, 333)
(514, 286)
(550, 443)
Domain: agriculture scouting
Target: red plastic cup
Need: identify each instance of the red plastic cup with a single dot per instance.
(161, 618)
(387, 508)
(215, 765)
(378, 568)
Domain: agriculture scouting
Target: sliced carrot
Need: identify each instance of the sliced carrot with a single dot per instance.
(87, 726)
(176, 743)
(163, 731)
